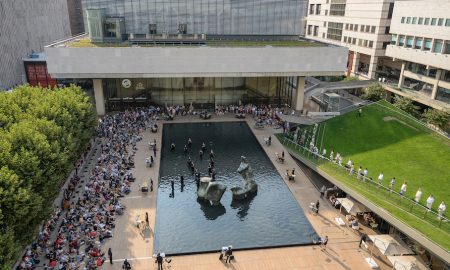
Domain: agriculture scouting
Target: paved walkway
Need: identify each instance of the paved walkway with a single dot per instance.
(342, 251)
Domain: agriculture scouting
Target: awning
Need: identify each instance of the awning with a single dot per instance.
(407, 263)
(390, 246)
(352, 207)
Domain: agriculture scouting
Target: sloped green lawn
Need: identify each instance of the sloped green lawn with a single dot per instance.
(384, 140)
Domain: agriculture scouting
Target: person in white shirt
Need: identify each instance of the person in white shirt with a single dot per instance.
(441, 210)
(418, 195)
(359, 172)
(430, 202)
(392, 183)
(365, 172)
(380, 178)
(403, 188)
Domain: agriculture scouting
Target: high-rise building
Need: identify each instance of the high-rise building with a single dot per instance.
(75, 17)
(212, 17)
(27, 26)
(421, 44)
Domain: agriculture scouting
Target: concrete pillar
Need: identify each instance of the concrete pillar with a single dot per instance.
(373, 67)
(435, 86)
(299, 94)
(99, 97)
(401, 80)
(355, 65)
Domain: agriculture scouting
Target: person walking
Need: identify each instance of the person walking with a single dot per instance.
(324, 242)
(430, 201)
(363, 239)
(392, 184)
(110, 256)
(403, 188)
(159, 261)
(418, 195)
(380, 178)
(441, 210)
(317, 207)
(229, 254)
(154, 151)
(147, 223)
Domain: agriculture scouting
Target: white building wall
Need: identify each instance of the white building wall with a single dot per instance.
(26, 26)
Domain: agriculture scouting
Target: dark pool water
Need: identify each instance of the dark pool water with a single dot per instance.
(184, 225)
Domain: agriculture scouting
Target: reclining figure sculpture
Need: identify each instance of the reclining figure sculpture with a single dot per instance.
(250, 187)
(210, 190)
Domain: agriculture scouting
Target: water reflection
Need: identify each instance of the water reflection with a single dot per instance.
(211, 212)
(243, 206)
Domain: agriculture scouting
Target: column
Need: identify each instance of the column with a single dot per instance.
(99, 97)
(372, 67)
(355, 65)
(299, 94)
(401, 80)
(435, 86)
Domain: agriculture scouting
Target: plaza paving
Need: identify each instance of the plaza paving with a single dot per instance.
(128, 243)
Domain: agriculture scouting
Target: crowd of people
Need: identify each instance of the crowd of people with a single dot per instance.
(73, 236)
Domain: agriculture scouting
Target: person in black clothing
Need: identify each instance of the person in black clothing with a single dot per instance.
(147, 223)
(363, 238)
(228, 253)
(182, 181)
(110, 255)
(317, 207)
(126, 265)
(159, 261)
(282, 155)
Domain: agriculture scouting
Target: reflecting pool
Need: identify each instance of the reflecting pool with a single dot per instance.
(185, 225)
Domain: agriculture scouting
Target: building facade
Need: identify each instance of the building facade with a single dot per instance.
(421, 43)
(27, 26)
(211, 17)
(361, 26)
(75, 9)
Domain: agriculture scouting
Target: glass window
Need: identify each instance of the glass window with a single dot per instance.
(447, 47)
(318, 6)
(447, 22)
(443, 94)
(409, 42)
(346, 26)
(418, 43)
(387, 30)
(427, 44)
(316, 31)
(372, 30)
(437, 48)
(351, 27)
(394, 39)
(414, 20)
(354, 41)
(420, 21)
(345, 39)
(433, 21)
(309, 29)
(401, 41)
(426, 21)
(440, 21)
(367, 28)
(326, 12)
(371, 44)
(324, 24)
(311, 9)
(408, 20)
(403, 20)
(365, 43)
(152, 29)
(356, 27)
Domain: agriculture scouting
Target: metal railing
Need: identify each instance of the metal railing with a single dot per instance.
(405, 203)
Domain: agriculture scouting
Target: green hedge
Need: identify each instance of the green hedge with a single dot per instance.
(42, 133)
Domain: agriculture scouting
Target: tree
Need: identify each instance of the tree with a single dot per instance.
(438, 118)
(42, 133)
(373, 92)
(407, 105)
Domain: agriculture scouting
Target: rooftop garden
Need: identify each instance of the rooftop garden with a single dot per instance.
(385, 139)
(87, 43)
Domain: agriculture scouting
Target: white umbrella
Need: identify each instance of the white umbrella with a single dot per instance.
(389, 245)
(351, 207)
(407, 263)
